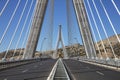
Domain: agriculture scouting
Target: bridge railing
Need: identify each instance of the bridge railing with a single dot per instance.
(107, 62)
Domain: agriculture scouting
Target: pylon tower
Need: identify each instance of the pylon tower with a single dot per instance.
(60, 40)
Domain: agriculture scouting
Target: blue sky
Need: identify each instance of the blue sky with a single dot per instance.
(59, 18)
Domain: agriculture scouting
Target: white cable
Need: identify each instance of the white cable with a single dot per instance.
(104, 29)
(79, 25)
(9, 22)
(28, 30)
(16, 29)
(110, 21)
(23, 28)
(85, 33)
(69, 22)
(49, 25)
(51, 22)
(36, 23)
(90, 35)
(4, 7)
(93, 32)
(97, 28)
(118, 11)
(36, 13)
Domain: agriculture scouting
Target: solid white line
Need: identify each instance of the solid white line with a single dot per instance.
(65, 70)
(100, 73)
(116, 7)
(52, 73)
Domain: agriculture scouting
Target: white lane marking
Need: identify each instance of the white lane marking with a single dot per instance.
(25, 71)
(52, 73)
(5, 79)
(100, 73)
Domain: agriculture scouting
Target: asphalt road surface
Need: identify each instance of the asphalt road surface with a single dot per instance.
(84, 71)
(39, 70)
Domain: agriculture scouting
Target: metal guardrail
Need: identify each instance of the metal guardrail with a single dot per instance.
(109, 62)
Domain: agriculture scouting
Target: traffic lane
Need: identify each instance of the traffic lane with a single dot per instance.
(27, 69)
(15, 69)
(18, 69)
(85, 71)
(38, 70)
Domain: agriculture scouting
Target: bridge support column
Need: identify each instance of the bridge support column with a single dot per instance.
(36, 28)
(84, 28)
(60, 40)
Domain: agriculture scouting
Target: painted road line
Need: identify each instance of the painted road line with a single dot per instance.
(25, 71)
(100, 73)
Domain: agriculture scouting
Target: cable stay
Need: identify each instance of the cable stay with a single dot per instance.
(94, 34)
(103, 27)
(97, 29)
(110, 21)
(15, 30)
(118, 11)
(88, 32)
(22, 29)
(35, 23)
(9, 22)
(28, 31)
(4, 7)
(70, 24)
(49, 26)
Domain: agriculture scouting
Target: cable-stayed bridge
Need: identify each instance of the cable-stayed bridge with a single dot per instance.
(59, 40)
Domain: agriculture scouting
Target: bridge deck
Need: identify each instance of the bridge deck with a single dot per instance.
(40, 70)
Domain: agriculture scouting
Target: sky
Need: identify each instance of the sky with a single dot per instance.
(60, 17)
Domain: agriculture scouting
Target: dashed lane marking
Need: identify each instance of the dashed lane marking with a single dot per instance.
(100, 73)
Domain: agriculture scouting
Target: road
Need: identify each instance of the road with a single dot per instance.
(39, 70)
(85, 71)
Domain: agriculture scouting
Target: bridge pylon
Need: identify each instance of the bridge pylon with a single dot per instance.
(60, 40)
(36, 29)
(84, 28)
